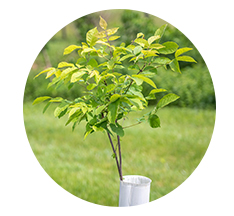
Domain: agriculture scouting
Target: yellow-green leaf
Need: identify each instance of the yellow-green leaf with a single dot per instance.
(153, 38)
(174, 65)
(76, 76)
(112, 31)
(142, 42)
(70, 48)
(67, 71)
(126, 56)
(181, 51)
(91, 37)
(114, 97)
(60, 109)
(45, 71)
(103, 23)
(65, 64)
(50, 73)
(156, 46)
(40, 99)
(157, 91)
(185, 59)
(113, 38)
(140, 34)
(145, 79)
(160, 32)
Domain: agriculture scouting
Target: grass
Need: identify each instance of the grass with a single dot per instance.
(167, 155)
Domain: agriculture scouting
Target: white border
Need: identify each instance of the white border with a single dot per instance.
(25, 187)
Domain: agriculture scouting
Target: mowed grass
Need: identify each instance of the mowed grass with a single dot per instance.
(85, 168)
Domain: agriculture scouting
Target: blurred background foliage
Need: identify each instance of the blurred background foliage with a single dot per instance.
(194, 85)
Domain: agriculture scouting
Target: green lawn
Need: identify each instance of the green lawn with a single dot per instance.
(167, 155)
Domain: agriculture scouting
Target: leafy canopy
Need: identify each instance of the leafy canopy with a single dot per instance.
(110, 94)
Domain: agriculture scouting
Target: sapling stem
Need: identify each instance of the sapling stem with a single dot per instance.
(116, 158)
(120, 158)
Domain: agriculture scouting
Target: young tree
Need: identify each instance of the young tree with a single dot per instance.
(110, 95)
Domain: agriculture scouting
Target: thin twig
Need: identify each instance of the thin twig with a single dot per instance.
(132, 125)
(141, 70)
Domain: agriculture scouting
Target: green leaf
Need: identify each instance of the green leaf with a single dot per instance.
(137, 80)
(118, 129)
(40, 99)
(154, 121)
(91, 39)
(46, 107)
(137, 50)
(88, 131)
(45, 71)
(157, 91)
(145, 79)
(153, 38)
(182, 50)
(169, 47)
(151, 97)
(81, 61)
(92, 62)
(65, 64)
(73, 110)
(114, 97)
(174, 65)
(99, 109)
(59, 110)
(91, 86)
(136, 102)
(126, 56)
(110, 87)
(70, 48)
(160, 32)
(162, 60)
(185, 59)
(169, 98)
(112, 111)
(102, 23)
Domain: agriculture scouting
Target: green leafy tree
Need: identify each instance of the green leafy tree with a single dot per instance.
(110, 95)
